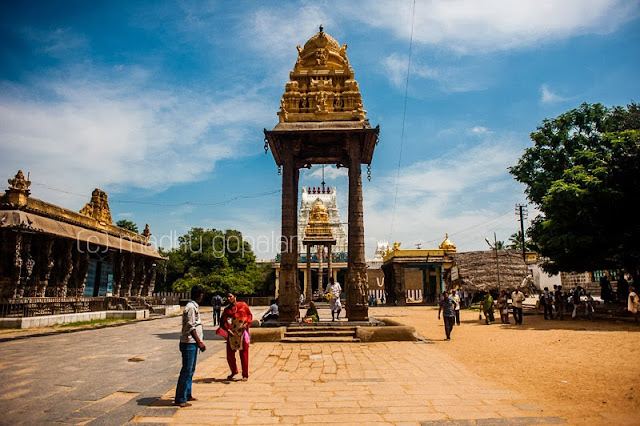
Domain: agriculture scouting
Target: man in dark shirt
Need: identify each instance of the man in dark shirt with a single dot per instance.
(447, 304)
(216, 302)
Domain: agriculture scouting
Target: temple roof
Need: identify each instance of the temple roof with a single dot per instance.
(321, 86)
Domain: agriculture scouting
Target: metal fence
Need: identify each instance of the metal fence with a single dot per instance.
(38, 306)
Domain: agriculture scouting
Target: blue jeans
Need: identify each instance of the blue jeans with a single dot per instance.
(189, 357)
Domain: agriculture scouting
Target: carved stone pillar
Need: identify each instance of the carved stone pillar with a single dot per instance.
(289, 289)
(308, 287)
(399, 286)
(356, 285)
(151, 278)
(320, 251)
(68, 263)
(329, 263)
(141, 276)
(129, 275)
(46, 265)
(118, 260)
(11, 260)
(80, 273)
(27, 266)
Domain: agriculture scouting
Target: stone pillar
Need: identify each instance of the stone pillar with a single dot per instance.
(80, 273)
(329, 262)
(320, 255)
(140, 276)
(288, 283)
(118, 270)
(308, 287)
(46, 265)
(356, 287)
(129, 275)
(11, 260)
(399, 287)
(67, 264)
(151, 278)
(27, 266)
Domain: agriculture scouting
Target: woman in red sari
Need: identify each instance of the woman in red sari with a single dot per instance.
(236, 320)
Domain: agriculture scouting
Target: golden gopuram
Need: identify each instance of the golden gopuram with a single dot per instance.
(322, 121)
(318, 233)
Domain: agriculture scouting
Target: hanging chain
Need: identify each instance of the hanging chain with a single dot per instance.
(279, 170)
(266, 145)
(369, 172)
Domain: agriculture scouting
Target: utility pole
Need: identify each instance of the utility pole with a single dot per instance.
(495, 248)
(521, 209)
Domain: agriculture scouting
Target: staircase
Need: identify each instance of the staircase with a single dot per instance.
(320, 333)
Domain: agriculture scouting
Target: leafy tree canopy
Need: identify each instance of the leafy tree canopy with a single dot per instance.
(583, 174)
(127, 224)
(220, 261)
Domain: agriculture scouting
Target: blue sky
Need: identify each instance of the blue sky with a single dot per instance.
(162, 105)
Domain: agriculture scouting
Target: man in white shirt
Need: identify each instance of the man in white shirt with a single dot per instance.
(334, 289)
(456, 298)
(190, 341)
(517, 297)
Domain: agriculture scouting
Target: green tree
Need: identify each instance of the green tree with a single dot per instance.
(583, 174)
(515, 242)
(127, 224)
(220, 261)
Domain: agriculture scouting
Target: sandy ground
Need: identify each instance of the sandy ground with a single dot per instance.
(588, 371)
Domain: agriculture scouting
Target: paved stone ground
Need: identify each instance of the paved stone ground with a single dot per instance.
(379, 383)
(103, 376)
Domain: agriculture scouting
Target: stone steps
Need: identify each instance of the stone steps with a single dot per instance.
(328, 339)
(319, 333)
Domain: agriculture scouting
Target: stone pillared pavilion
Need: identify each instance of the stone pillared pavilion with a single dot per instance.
(55, 260)
(322, 121)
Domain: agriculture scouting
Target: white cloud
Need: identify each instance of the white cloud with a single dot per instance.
(97, 133)
(464, 189)
(448, 78)
(278, 30)
(476, 27)
(479, 130)
(548, 97)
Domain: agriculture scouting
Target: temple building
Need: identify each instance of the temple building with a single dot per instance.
(412, 275)
(52, 254)
(319, 227)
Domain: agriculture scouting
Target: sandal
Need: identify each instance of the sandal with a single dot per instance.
(230, 376)
(244, 379)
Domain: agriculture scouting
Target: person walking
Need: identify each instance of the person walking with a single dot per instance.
(577, 301)
(517, 297)
(487, 308)
(216, 302)
(447, 308)
(456, 298)
(236, 320)
(503, 306)
(333, 291)
(546, 299)
(633, 303)
(190, 341)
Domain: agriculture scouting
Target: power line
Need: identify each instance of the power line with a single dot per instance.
(404, 116)
(183, 203)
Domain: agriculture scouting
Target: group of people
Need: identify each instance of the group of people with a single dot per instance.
(502, 304)
(558, 303)
(234, 323)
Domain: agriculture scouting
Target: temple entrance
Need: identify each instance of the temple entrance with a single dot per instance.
(322, 121)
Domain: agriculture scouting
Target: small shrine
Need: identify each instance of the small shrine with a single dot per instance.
(318, 234)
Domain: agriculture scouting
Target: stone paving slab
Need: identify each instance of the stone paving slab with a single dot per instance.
(376, 383)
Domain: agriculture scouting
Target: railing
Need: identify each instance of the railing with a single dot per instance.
(166, 298)
(38, 306)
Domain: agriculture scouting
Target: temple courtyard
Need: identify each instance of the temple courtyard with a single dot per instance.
(543, 372)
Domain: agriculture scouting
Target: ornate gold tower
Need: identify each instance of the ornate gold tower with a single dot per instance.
(322, 121)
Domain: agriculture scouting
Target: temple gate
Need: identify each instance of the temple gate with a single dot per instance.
(322, 121)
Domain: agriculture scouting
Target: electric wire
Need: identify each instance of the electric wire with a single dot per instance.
(404, 116)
